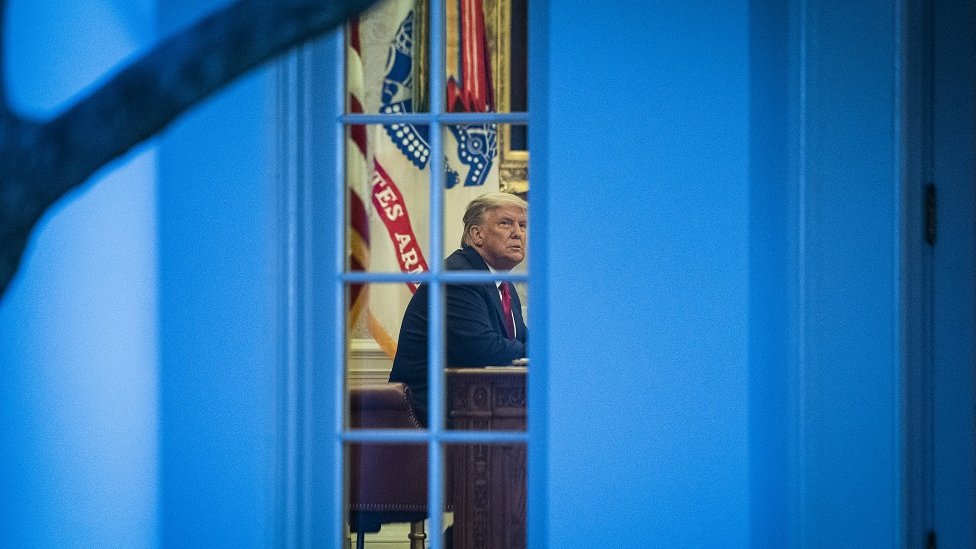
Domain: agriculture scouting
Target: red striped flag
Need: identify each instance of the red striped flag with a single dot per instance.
(357, 177)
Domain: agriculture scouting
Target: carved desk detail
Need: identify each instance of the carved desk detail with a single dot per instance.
(489, 480)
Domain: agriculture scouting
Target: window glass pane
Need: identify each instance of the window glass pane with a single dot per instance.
(373, 319)
(388, 198)
(411, 365)
(485, 55)
(487, 495)
(387, 59)
(513, 158)
(514, 16)
(386, 492)
(487, 399)
(475, 163)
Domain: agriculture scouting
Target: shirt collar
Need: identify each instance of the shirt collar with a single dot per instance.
(498, 283)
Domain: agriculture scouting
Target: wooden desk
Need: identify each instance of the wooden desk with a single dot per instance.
(489, 487)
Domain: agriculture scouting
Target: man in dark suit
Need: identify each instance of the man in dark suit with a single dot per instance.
(480, 330)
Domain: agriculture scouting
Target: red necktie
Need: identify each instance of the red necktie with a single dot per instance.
(507, 310)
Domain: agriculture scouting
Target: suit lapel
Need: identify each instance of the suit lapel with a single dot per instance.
(478, 264)
(489, 288)
(520, 329)
(497, 300)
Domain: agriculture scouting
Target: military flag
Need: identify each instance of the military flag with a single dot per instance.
(388, 166)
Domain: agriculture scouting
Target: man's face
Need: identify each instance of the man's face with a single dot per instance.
(500, 237)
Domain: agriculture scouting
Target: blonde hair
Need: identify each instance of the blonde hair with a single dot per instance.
(477, 208)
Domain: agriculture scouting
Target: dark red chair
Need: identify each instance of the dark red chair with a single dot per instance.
(387, 482)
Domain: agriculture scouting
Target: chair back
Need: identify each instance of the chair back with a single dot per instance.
(385, 477)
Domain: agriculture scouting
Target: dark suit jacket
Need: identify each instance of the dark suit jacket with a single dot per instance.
(473, 329)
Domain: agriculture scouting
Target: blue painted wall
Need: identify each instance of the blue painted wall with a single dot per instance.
(644, 186)
(137, 393)
(78, 339)
(216, 367)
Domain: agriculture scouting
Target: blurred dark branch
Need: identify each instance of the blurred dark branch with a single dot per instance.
(42, 161)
